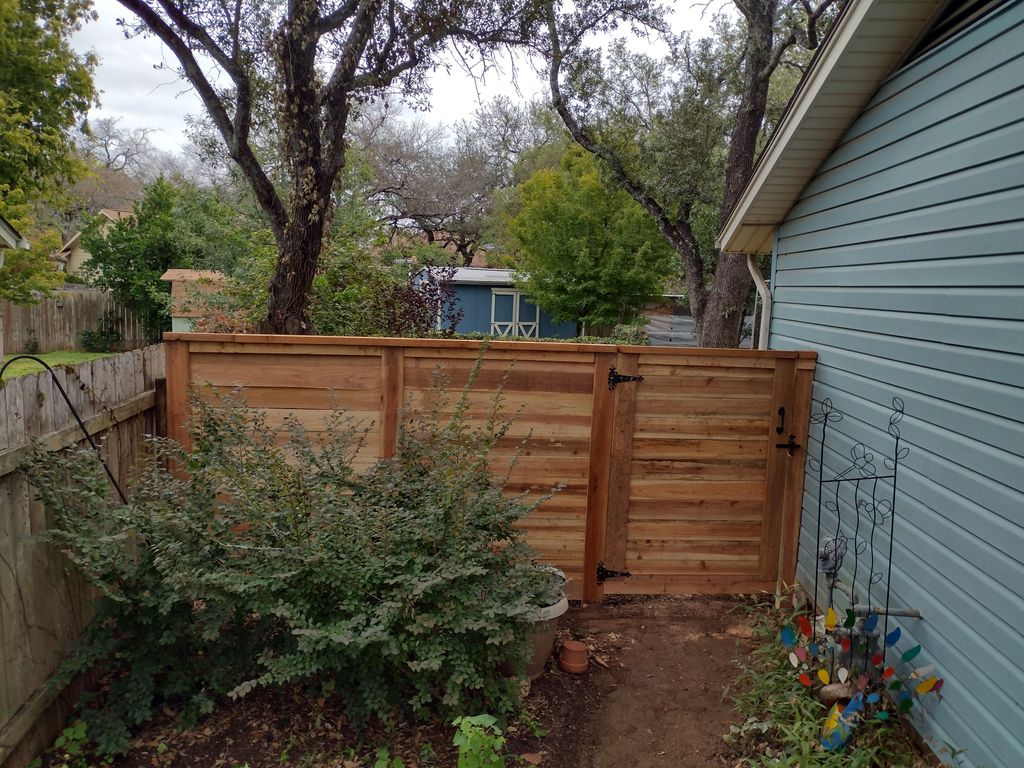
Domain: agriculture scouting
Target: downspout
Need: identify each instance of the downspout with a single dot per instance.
(766, 300)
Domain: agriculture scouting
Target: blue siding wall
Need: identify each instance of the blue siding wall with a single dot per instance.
(475, 301)
(903, 265)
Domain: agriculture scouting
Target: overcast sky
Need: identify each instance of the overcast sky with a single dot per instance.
(133, 88)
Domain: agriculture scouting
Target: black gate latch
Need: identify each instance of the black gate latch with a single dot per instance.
(605, 573)
(614, 377)
(790, 446)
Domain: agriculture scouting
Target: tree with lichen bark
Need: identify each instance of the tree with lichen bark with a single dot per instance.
(320, 59)
(680, 134)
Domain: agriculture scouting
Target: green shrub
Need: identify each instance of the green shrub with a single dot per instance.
(403, 589)
(103, 338)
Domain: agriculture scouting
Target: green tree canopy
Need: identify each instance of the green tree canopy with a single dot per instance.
(587, 252)
(181, 227)
(45, 90)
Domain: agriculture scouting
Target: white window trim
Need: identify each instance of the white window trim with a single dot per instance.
(517, 326)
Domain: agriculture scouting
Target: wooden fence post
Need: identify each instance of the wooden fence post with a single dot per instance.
(794, 494)
(601, 428)
(392, 377)
(178, 375)
(783, 413)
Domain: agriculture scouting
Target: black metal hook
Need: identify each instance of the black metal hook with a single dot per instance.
(74, 413)
(782, 421)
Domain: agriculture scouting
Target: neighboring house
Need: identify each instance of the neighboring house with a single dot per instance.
(891, 198)
(188, 287)
(72, 256)
(9, 238)
(492, 304)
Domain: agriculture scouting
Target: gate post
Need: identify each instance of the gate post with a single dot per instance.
(598, 476)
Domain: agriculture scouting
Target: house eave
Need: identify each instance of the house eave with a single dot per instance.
(870, 39)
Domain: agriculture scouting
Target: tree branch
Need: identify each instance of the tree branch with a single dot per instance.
(678, 231)
(240, 150)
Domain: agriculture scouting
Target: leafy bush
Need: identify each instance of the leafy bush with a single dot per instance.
(403, 589)
(103, 338)
(480, 742)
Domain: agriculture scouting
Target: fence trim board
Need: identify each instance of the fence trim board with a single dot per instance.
(11, 458)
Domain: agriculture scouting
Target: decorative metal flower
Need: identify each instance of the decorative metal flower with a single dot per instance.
(863, 460)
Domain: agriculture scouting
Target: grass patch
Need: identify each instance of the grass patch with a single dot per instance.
(781, 722)
(53, 359)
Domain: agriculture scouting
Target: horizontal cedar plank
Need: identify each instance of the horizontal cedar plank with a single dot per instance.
(540, 521)
(544, 486)
(543, 445)
(288, 349)
(295, 397)
(717, 549)
(658, 383)
(648, 510)
(691, 530)
(688, 584)
(668, 448)
(690, 565)
(684, 471)
(480, 403)
(290, 371)
(723, 407)
(652, 489)
(656, 374)
(557, 428)
(315, 420)
(738, 361)
(712, 428)
(370, 439)
(490, 379)
(419, 356)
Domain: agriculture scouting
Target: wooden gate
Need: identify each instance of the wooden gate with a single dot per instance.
(676, 478)
(704, 473)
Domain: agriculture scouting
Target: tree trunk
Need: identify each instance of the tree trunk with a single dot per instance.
(292, 283)
(720, 319)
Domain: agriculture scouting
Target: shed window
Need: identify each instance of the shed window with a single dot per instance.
(513, 315)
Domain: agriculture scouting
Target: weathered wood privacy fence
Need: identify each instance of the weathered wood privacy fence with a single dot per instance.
(55, 323)
(43, 605)
(678, 479)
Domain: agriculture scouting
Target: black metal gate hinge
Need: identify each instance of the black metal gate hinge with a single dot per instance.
(614, 378)
(606, 573)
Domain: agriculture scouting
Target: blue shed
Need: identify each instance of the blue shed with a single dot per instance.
(891, 198)
(492, 304)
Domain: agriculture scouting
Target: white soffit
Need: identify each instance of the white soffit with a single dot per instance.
(868, 43)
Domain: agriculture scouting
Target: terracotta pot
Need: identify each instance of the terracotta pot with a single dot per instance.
(573, 657)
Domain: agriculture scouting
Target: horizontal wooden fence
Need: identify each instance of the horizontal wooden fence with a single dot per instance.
(44, 606)
(55, 323)
(676, 479)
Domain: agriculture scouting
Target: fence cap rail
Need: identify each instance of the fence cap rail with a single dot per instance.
(526, 346)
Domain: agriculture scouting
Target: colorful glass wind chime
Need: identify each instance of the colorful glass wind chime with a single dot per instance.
(854, 662)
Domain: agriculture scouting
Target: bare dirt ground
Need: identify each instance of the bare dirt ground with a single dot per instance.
(655, 693)
(652, 698)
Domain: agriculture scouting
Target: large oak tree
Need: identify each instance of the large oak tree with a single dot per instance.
(681, 133)
(319, 59)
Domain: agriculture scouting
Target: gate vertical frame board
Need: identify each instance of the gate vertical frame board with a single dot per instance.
(675, 477)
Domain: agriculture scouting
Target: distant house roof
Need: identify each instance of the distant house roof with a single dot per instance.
(869, 41)
(10, 237)
(115, 215)
(478, 276)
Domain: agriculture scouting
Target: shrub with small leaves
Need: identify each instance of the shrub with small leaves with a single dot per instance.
(269, 561)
